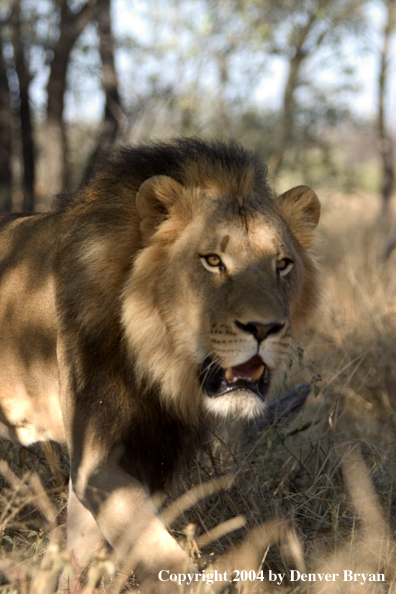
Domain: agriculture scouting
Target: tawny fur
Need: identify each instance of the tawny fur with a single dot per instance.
(108, 309)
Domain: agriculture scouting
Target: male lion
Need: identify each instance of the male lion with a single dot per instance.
(161, 296)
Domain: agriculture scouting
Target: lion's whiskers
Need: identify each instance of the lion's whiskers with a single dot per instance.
(210, 368)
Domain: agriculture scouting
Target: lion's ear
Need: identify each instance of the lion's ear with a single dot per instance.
(300, 208)
(153, 201)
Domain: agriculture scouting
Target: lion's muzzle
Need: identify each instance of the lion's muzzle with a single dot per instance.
(253, 375)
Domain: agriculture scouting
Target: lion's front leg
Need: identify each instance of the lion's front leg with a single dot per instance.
(84, 539)
(125, 516)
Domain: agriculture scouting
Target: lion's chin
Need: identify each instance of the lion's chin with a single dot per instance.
(237, 392)
(239, 404)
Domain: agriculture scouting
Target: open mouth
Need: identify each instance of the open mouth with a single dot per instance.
(252, 375)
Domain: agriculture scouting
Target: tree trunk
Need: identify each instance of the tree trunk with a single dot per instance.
(28, 151)
(113, 113)
(289, 103)
(5, 140)
(289, 108)
(385, 140)
(71, 26)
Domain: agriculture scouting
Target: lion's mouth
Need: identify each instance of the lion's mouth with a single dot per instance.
(253, 375)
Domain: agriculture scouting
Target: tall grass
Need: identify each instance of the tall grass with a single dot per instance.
(316, 496)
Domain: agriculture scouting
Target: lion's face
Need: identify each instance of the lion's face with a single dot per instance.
(213, 297)
(232, 272)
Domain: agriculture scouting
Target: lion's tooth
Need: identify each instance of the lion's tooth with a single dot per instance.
(228, 374)
(257, 373)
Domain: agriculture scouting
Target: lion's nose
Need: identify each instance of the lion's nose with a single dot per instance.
(260, 331)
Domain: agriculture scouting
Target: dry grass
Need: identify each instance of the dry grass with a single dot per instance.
(317, 496)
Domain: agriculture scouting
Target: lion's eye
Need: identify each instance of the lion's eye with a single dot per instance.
(284, 265)
(213, 261)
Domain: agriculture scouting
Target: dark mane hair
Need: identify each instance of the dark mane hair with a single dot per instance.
(132, 164)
